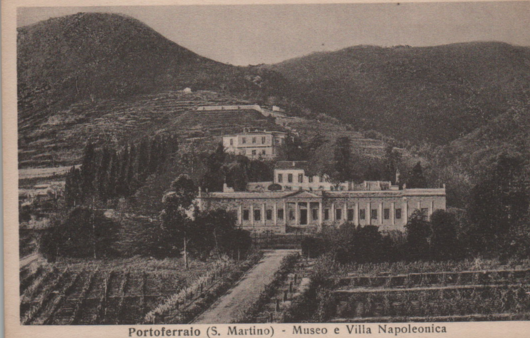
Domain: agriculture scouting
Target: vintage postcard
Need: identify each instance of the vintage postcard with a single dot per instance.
(288, 169)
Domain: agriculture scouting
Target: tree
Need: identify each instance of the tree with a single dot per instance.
(88, 170)
(342, 160)
(102, 175)
(212, 232)
(185, 191)
(73, 189)
(259, 171)
(516, 243)
(352, 243)
(418, 233)
(83, 233)
(416, 177)
(444, 243)
(391, 160)
(498, 202)
(213, 179)
(293, 149)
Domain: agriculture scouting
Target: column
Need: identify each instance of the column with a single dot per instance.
(393, 213)
(332, 216)
(356, 214)
(252, 214)
(419, 205)
(380, 213)
(296, 214)
(285, 213)
(432, 209)
(275, 213)
(369, 213)
(405, 216)
(320, 216)
(263, 216)
(345, 213)
(240, 214)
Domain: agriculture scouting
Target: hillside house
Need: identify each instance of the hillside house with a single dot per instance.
(254, 145)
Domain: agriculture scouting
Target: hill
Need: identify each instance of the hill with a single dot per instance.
(111, 78)
(421, 94)
(97, 56)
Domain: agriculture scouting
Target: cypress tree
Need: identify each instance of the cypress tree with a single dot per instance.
(88, 170)
(102, 178)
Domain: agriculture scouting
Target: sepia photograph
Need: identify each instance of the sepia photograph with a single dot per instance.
(348, 164)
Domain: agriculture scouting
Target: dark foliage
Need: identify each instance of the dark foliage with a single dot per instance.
(416, 177)
(83, 233)
(107, 174)
(497, 203)
(418, 233)
(444, 244)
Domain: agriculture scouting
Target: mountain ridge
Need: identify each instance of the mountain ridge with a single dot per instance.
(447, 90)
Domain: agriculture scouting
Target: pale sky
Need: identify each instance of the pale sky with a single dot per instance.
(253, 34)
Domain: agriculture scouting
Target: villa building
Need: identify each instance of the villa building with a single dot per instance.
(309, 203)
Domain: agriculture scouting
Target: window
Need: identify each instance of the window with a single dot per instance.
(263, 140)
(310, 179)
(231, 142)
(374, 214)
(300, 178)
(263, 152)
(326, 214)
(398, 213)
(243, 140)
(253, 152)
(350, 214)
(362, 214)
(277, 141)
(291, 215)
(245, 215)
(253, 140)
(257, 215)
(280, 213)
(387, 213)
(290, 178)
(280, 178)
(314, 214)
(269, 215)
(338, 214)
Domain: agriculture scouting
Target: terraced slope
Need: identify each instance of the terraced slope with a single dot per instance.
(59, 139)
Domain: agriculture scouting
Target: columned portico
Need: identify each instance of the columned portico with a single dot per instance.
(273, 211)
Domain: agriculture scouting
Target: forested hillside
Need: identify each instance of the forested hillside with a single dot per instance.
(418, 94)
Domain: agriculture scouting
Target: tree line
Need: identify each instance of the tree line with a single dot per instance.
(495, 224)
(107, 174)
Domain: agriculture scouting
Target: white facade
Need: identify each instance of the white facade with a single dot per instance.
(282, 211)
(255, 144)
(291, 176)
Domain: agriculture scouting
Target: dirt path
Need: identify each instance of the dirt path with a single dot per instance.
(245, 292)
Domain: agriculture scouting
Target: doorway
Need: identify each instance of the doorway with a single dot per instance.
(303, 216)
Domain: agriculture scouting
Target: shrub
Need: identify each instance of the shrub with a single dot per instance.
(84, 233)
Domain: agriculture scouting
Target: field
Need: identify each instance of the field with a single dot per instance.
(120, 291)
(464, 291)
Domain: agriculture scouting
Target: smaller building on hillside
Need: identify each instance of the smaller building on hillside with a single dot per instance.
(254, 145)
